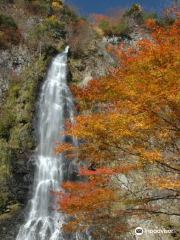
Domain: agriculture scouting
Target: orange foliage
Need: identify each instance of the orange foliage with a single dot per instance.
(98, 17)
(134, 128)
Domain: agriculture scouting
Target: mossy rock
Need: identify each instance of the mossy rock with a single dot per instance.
(16, 121)
(4, 170)
(12, 209)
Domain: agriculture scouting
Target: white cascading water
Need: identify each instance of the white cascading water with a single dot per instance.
(56, 105)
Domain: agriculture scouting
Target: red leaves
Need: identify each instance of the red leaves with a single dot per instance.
(64, 148)
(79, 186)
(12, 36)
(98, 17)
(151, 24)
(101, 171)
(80, 25)
(124, 168)
(133, 132)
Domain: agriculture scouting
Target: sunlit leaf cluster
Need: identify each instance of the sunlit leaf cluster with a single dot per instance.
(129, 136)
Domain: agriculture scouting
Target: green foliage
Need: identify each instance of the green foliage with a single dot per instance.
(134, 11)
(4, 170)
(55, 27)
(165, 22)
(13, 209)
(42, 36)
(57, 24)
(9, 33)
(7, 22)
(123, 23)
(44, 7)
(15, 91)
(121, 28)
(6, 122)
(147, 16)
(37, 7)
(16, 117)
(69, 13)
(139, 17)
(105, 26)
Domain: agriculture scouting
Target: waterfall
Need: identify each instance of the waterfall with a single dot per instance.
(56, 105)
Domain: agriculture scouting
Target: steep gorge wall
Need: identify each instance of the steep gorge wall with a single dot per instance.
(22, 73)
(18, 144)
(23, 70)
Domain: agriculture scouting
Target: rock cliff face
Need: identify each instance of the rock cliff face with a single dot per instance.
(21, 163)
(18, 148)
(21, 75)
(95, 62)
(12, 61)
(19, 187)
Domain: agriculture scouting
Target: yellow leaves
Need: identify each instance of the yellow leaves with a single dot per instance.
(151, 24)
(53, 19)
(133, 133)
(150, 156)
(57, 5)
(2, 37)
(170, 183)
(66, 147)
(164, 134)
(36, 3)
(99, 31)
(2, 34)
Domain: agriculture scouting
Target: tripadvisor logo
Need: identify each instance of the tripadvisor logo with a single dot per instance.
(138, 231)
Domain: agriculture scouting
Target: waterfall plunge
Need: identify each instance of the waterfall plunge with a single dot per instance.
(56, 105)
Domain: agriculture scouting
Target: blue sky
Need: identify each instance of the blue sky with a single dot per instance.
(86, 7)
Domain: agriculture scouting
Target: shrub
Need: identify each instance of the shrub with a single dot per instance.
(43, 6)
(135, 15)
(42, 35)
(37, 7)
(105, 26)
(120, 23)
(164, 22)
(123, 28)
(109, 28)
(147, 16)
(69, 14)
(15, 90)
(55, 27)
(9, 32)
(7, 22)
(57, 5)
(134, 11)
(81, 41)
(6, 123)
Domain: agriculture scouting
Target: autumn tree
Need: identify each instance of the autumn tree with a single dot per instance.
(120, 22)
(42, 7)
(174, 9)
(9, 32)
(129, 139)
(111, 24)
(82, 38)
